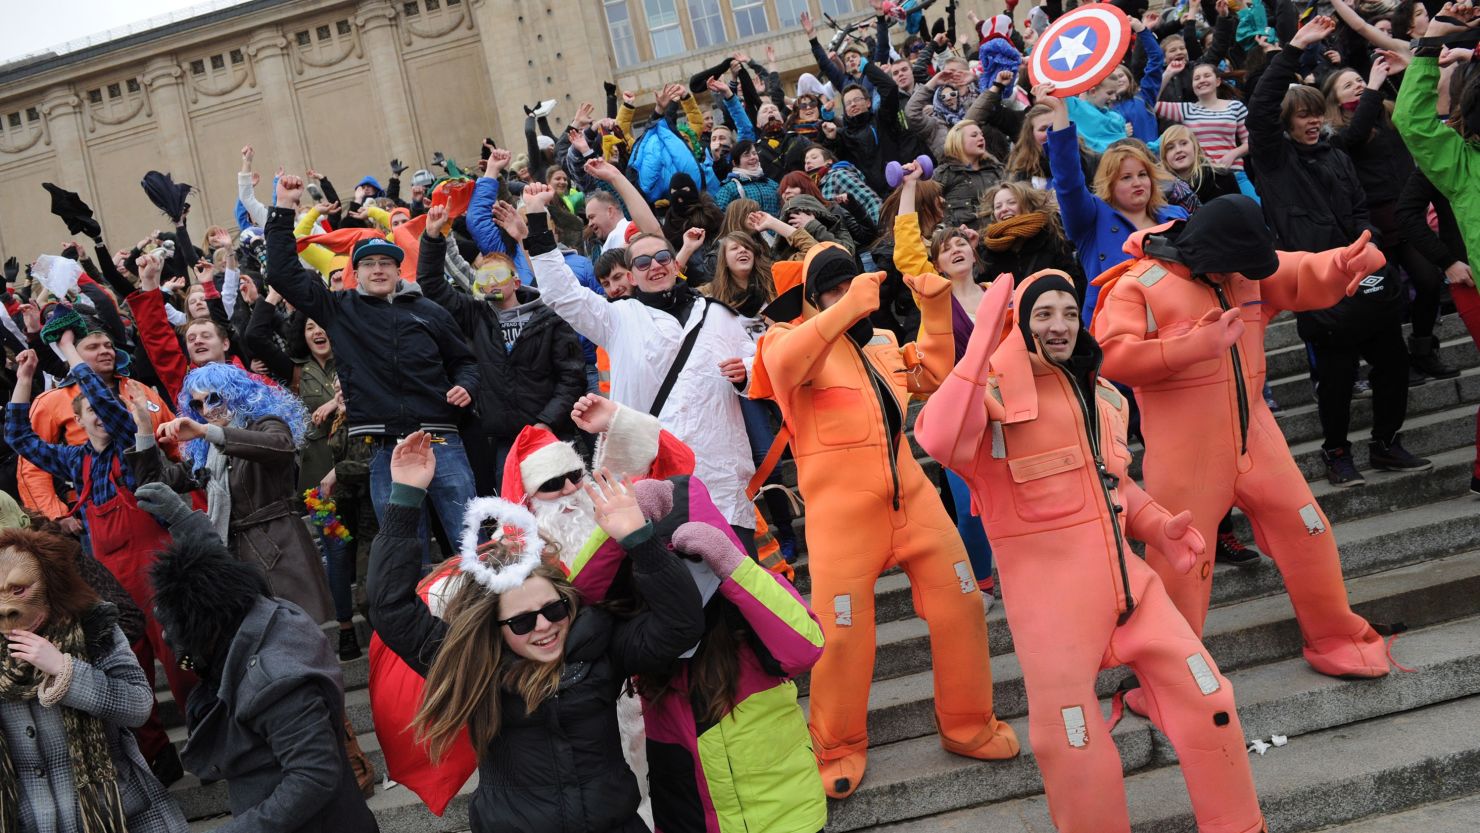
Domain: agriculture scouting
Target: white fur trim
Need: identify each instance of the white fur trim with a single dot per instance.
(630, 445)
(516, 522)
(547, 462)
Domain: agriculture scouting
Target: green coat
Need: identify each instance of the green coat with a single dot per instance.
(1450, 163)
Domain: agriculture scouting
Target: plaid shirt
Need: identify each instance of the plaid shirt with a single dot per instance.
(116, 691)
(847, 180)
(69, 462)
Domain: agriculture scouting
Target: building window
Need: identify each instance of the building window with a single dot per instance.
(662, 21)
(342, 27)
(197, 67)
(94, 96)
(236, 57)
(132, 85)
(32, 114)
(322, 33)
(453, 2)
(433, 5)
(619, 25)
(218, 62)
(708, 23)
(15, 119)
(789, 12)
(837, 7)
(750, 18)
(410, 9)
(114, 91)
(302, 38)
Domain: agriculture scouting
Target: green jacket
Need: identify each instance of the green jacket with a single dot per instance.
(1450, 162)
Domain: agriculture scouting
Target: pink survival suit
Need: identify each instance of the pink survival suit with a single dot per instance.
(1046, 458)
(1193, 350)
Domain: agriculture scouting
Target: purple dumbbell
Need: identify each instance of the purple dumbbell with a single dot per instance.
(894, 172)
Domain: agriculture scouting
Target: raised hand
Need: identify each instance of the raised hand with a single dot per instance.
(1359, 260)
(602, 170)
(498, 159)
(617, 512)
(138, 408)
(149, 266)
(436, 220)
(593, 414)
(537, 196)
(1313, 32)
(508, 219)
(719, 88)
(247, 156)
(25, 367)
(693, 238)
(413, 463)
(289, 190)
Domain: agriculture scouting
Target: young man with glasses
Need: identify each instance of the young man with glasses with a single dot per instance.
(644, 335)
(402, 360)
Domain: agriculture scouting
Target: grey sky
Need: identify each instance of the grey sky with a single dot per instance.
(37, 26)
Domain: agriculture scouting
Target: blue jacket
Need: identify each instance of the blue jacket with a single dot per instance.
(373, 183)
(1139, 110)
(659, 155)
(1100, 125)
(486, 233)
(1097, 231)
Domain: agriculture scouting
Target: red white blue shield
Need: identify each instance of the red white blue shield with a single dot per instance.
(1080, 49)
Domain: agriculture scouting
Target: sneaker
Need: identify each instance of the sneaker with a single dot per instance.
(1394, 457)
(349, 645)
(1232, 551)
(788, 550)
(544, 108)
(1341, 470)
(1362, 389)
(1274, 407)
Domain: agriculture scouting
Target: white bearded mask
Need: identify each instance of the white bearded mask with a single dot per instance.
(568, 521)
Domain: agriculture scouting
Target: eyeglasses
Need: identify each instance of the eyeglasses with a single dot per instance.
(807, 104)
(555, 484)
(212, 401)
(642, 263)
(556, 611)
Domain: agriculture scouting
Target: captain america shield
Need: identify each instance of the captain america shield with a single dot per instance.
(1080, 49)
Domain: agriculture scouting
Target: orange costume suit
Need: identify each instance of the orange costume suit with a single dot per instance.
(843, 388)
(1042, 445)
(1183, 324)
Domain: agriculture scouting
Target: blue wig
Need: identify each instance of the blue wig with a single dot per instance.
(996, 55)
(247, 398)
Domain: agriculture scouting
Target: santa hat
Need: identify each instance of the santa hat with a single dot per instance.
(537, 456)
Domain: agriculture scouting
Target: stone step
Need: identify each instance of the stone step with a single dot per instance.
(917, 780)
(1282, 331)
(1242, 635)
(1424, 435)
(1292, 386)
(1302, 422)
(1461, 815)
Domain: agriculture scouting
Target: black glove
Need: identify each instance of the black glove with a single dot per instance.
(12, 270)
(438, 159)
(162, 502)
(397, 166)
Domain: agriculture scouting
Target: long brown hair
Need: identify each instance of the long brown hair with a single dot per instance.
(735, 214)
(1109, 170)
(725, 288)
(472, 669)
(1339, 118)
(1027, 156)
(930, 207)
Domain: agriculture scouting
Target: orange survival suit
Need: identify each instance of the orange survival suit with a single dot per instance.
(870, 507)
(1043, 447)
(1183, 324)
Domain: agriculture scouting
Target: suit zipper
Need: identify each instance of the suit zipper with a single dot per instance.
(1238, 381)
(1107, 482)
(880, 387)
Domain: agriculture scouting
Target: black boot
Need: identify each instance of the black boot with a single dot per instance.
(349, 645)
(1423, 357)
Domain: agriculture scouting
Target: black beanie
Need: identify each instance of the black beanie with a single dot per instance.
(1035, 290)
(828, 268)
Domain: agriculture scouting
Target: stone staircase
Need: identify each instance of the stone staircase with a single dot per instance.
(1401, 753)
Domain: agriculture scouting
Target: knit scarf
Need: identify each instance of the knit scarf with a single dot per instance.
(1008, 233)
(99, 804)
(218, 493)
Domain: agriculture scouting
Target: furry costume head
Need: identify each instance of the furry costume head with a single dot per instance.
(247, 398)
(201, 596)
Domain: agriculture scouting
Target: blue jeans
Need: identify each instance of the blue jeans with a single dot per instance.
(451, 488)
(340, 566)
(978, 549)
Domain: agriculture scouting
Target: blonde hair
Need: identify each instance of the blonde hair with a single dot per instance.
(1029, 200)
(1200, 158)
(472, 669)
(956, 142)
(1109, 171)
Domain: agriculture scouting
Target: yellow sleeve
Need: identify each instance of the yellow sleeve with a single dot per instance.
(692, 113)
(910, 257)
(380, 216)
(625, 115)
(305, 223)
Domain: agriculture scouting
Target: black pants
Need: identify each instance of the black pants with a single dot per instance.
(1425, 279)
(1335, 356)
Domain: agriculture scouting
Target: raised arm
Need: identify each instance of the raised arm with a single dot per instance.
(635, 202)
(304, 289)
(953, 424)
(588, 313)
(402, 619)
(1318, 280)
(793, 355)
(1135, 352)
(260, 338)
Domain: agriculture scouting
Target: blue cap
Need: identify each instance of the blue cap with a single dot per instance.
(377, 246)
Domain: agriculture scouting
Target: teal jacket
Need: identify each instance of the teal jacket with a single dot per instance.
(1450, 162)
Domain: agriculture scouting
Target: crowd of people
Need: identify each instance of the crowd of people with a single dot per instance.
(527, 414)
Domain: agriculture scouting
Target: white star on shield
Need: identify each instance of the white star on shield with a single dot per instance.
(1071, 49)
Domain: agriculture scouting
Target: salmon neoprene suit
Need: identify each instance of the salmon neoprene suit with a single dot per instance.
(1192, 347)
(871, 507)
(1031, 442)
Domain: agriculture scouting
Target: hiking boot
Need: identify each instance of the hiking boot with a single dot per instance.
(349, 645)
(1341, 470)
(1231, 550)
(1423, 357)
(1394, 457)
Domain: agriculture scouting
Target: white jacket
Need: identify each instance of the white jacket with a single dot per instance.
(703, 408)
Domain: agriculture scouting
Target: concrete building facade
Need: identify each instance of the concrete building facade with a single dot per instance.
(339, 86)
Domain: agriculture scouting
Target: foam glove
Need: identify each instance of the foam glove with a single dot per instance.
(1179, 542)
(1217, 331)
(654, 498)
(1358, 261)
(927, 285)
(716, 549)
(162, 502)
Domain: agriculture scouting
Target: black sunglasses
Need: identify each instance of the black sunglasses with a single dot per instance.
(642, 263)
(555, 611)
(212, 401)
(555, 484)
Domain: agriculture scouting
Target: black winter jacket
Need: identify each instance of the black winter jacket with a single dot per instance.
(538, 381)
(1382, 161)
(560, 769)
(1311, 195)
(396, 358)
(1045, 250)
(872, 140)
(1443, 249)
(962, 189)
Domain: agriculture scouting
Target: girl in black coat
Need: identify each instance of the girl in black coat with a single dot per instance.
(532, 675)
(1022, 235)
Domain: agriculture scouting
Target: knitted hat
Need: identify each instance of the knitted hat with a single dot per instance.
(537, 456)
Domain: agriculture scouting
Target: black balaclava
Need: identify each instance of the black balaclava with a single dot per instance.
(830, 267)
(1084, 363)
(683, 194)
(1227, 234)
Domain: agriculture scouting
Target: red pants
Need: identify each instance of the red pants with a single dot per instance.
(1467, 301)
